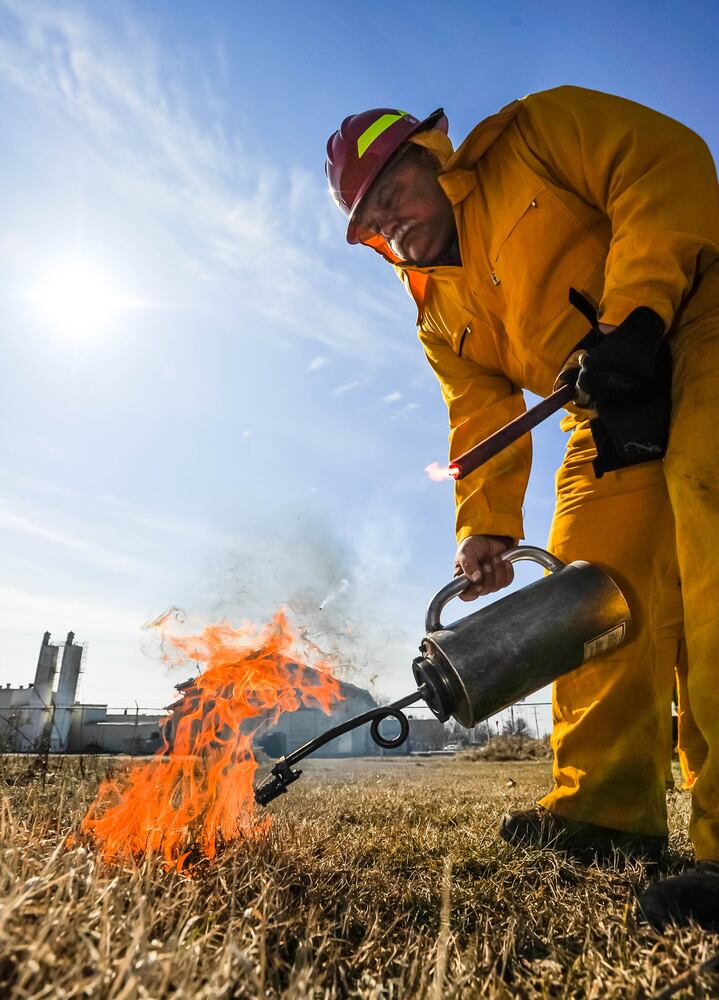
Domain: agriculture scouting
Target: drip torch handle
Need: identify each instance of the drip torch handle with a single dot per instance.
(501, 439)
(530, 553)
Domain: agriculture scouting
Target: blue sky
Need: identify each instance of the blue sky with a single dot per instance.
(249, 424)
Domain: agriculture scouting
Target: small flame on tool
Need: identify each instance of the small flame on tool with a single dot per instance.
(441, 473)
(197, 792)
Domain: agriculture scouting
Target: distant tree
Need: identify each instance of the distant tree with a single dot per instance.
(516, 727)
(456, 733)
(480, 734)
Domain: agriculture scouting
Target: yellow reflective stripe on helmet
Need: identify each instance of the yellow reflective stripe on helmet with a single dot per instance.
(376, 129)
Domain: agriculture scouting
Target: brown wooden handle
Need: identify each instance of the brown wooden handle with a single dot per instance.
(501, 439)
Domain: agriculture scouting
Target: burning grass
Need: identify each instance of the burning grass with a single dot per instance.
(183, 802)
(378, 878)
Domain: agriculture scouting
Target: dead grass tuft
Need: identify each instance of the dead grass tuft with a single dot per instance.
(378, 879)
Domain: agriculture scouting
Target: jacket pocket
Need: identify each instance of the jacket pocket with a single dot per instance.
(545, 251)
(452, 325)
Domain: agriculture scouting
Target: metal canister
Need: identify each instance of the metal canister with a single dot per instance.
(496, 656)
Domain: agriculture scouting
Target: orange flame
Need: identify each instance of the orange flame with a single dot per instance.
(198, 794)
(440, 473)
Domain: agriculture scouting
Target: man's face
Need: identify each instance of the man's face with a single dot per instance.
(409, 209)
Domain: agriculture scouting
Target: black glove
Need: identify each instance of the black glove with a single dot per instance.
(626, 378)
(622, 367)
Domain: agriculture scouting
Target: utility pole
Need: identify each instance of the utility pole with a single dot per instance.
(536, 722)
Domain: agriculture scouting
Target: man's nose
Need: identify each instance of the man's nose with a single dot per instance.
(388, 226)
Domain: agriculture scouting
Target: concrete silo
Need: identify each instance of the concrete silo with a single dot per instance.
(46, 668)
(65, 694)
(39, 710)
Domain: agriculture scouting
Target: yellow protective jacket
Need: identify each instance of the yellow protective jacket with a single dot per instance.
(567, 187)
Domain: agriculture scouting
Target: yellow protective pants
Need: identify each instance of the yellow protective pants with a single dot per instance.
(640, 523)
(692, 745)
(669, 640)
(671, 654)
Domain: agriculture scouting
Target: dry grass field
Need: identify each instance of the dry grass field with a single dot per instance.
(379, 878)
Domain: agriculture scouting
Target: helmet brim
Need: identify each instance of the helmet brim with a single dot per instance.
(355, 232)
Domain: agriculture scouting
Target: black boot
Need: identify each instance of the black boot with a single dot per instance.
(693, 895)
(540, 828)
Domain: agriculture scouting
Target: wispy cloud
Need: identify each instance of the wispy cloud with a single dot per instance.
(41, 515)
(316, 363)
(240, 214)
(17, 522)
(405, 412)
(340, 390)
(21, 610)
(392, 397)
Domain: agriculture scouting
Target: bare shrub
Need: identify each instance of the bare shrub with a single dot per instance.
(512, 746)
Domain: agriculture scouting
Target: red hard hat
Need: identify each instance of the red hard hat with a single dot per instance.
(362, 146)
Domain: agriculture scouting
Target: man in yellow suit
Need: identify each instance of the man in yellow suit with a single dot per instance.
(574, 189)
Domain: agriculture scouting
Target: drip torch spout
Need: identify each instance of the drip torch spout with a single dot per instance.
(283, 774)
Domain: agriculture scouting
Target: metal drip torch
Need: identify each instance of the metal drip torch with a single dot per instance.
(493, 657)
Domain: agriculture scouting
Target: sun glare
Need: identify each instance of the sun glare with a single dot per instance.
(77, 300)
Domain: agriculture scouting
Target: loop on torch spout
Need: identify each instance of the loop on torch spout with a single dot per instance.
(282, 774)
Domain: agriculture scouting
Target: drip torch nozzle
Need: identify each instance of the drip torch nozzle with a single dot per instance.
(281, 776)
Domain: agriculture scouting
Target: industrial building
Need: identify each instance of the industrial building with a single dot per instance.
(46, 715)
(295, 728)
(426, 734)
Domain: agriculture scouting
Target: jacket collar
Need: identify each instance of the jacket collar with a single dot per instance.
(459, 177)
